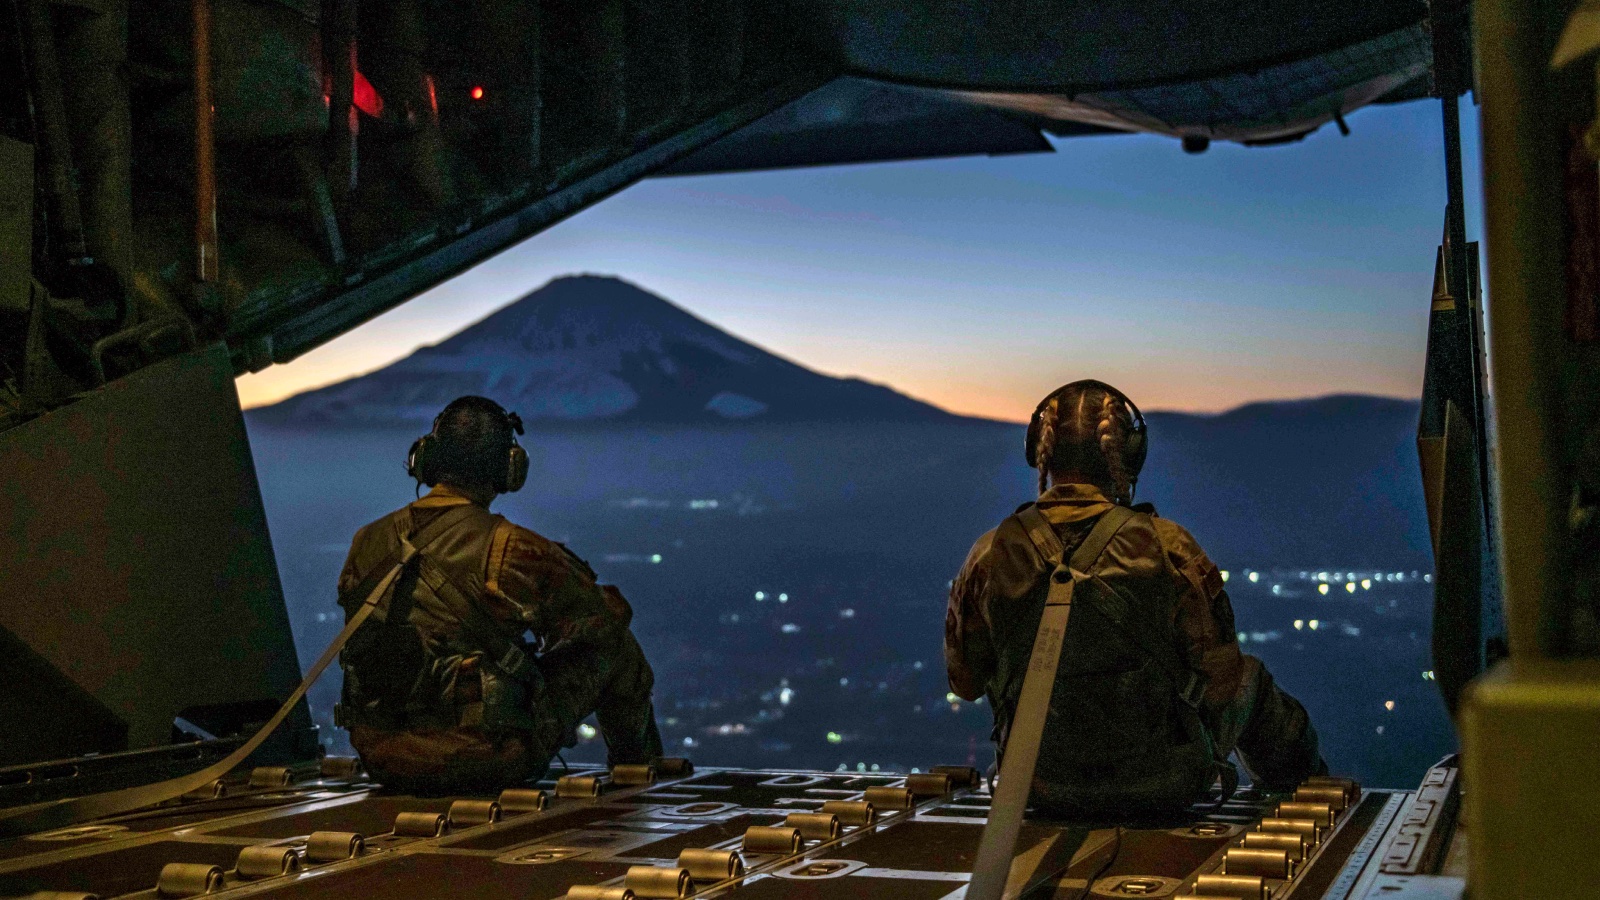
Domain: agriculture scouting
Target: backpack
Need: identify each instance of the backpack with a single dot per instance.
(431, 659)
(1122, 733)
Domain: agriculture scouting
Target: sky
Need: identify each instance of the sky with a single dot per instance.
(1193, 283)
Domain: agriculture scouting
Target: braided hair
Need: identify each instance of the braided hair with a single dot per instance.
(1084, 431)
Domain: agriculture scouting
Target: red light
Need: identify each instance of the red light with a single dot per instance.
(366, 97)
(477, 93)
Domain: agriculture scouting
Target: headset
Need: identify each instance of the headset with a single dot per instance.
(1138, 441)
(422, 461)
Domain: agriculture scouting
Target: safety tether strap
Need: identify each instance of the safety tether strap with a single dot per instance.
(51, 814)
(994, 874)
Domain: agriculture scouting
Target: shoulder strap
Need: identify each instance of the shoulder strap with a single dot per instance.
(1088, 552)
(402, 553)
(997, 874)
(1048, 543)
(505, 653)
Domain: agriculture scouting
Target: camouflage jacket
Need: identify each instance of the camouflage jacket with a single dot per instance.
(993, 584)
(530, 581)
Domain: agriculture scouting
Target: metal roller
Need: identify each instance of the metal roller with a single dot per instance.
(188, 879)
(332, 846)
(585, 787)
(1321, 813)
(467, 813)
(270, 777)
(711, 866)
(859, 813)
(674, 767)
(211, 790)
(633, 775)
(1267, 863)
(928, 784)
(814, 826)
(772, 839)
(341, 767)
(1351, 787)
(1306, 828)
(1293, 844)
(598, 892)
(420, 824)
(515, 801)
(1245, 887)
(1331, 794)
(960, 776)
(888, 799)
(267, 862)
(658, 882)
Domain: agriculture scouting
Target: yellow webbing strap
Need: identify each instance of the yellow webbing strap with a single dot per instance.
(51, 814)
(997, 874)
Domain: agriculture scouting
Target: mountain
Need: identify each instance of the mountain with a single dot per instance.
(1295, 482)
(587, 348)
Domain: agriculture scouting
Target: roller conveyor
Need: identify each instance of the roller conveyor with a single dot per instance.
(749, 835)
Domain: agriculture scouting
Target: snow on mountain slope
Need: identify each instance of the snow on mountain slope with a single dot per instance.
(589, 348)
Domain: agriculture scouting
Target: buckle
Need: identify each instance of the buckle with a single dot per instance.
(1193, 690)
(514, 662)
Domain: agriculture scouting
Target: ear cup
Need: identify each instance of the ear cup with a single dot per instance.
(1137, 447)
(419, 460)
(516, 470)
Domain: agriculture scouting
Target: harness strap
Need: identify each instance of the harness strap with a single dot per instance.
(992, 873)
(502, 652)
(36, 817)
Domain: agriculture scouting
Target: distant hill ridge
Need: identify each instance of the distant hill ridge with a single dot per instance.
(590, 349)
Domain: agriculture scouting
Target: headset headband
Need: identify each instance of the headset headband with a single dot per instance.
(423, 459)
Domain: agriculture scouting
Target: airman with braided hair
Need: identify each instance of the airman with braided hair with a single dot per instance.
(1152, 694)
(442, 692)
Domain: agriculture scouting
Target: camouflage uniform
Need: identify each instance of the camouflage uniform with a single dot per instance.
(1241, 706)
(426, 706)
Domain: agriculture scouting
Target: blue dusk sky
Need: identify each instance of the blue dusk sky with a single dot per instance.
(979, 284)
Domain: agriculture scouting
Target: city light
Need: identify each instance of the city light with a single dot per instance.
(761, 595)
(1299, 624)
(1322, 589)
(1427, 675)
(951, 698)
(790, 628)
(783, 598)
(586, 731)
(1350, 587)
(477, 93)
(1254, 577)
(655, 557)
(1366, 584)
(835, 737)
(1388, 705)
(785, 695)
(1313, 624)
(1224, 576)
(847, 613)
